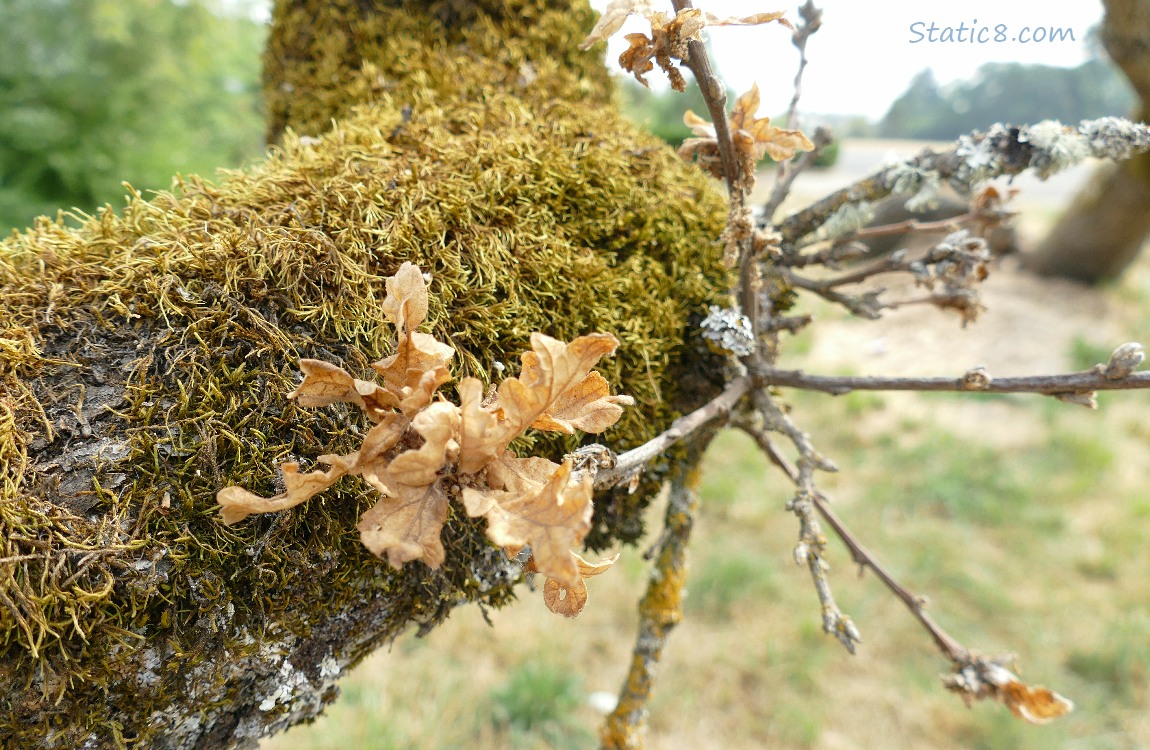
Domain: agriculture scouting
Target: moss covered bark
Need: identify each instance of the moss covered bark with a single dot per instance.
(145, 355)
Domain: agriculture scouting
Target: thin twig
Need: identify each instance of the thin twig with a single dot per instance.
(950, 647)
(789, 170)
(811, 547)
(630, 463)
(1050, 385)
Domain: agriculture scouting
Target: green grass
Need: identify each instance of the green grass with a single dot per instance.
(533, 707)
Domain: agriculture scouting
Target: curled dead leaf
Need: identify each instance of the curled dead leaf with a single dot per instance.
(569, 601)
(326, 384)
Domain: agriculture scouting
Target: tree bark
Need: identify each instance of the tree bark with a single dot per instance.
(145, 357)
(1105, 227)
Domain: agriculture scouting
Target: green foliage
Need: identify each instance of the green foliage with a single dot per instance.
(1006, 92)
(94, 93)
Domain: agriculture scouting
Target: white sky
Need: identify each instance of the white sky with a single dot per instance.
(863, 58)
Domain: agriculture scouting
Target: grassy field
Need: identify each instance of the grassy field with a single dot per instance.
(1026, 522)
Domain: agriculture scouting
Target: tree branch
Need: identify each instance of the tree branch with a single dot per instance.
(630, 464)
(1045, 147)
(976, 381)
(661, 608)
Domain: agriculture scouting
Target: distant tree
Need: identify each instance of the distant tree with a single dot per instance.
(1108, 223)
(921, 112)
(1007, 92)
(97, 92)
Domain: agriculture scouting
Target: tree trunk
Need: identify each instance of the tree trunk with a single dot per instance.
(145, 358)
(1102, 231)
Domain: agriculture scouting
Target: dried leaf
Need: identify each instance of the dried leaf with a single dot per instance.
(751, 20)
(236, 503)
(406, 301)
(552, 518)
(439, 426)
(416, 398)
(415, 355)
(982, 677)
(613, 19)
(325, 384)
(407, 526)
(479, 434)
(636, 59)
(587, 406)
(550, 369)
(569, 601)
(507, 478)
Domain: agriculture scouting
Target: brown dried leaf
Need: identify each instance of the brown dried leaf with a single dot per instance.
(325, 384)
(982, 677)
(751, 20)
(480, 439)
(439, 426)
(569, 601)
(415, 355)
(613, 19)
(587, 406)
(550, 369)
(406, 526)
(406, 301)
(636, 59)
(552, 518)
(236, 503)
(507, 478)
(417, 398)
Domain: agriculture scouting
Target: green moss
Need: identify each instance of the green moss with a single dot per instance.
(145, 355)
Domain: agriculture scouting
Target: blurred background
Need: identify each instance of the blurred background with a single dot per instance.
(1024, 519)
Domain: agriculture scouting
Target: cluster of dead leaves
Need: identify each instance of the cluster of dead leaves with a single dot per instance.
(422, 451)
(669, 35)
(753, 138)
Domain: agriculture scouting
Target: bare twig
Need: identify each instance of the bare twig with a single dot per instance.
(1085, 381)
(950, 647)
(630, 463)
(812, 19)
(661, 608)
(789, 170)
(811, 547)
(807, 500)
(716, 98)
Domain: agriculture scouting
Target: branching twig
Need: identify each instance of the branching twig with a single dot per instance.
(811, 546)
(788, 171)
(1045, 147)
(950, 647)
